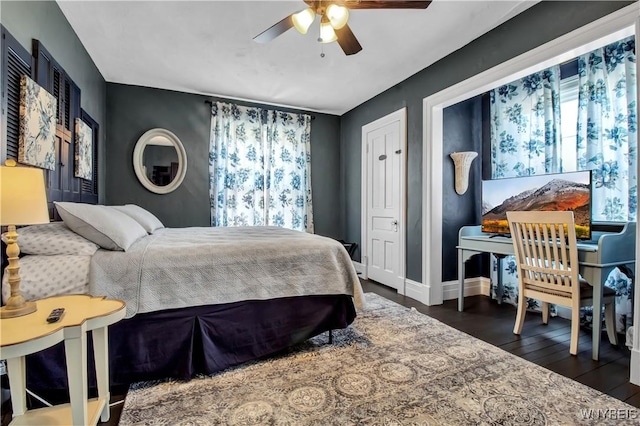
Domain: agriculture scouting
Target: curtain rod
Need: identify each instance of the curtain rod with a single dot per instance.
(207, 101)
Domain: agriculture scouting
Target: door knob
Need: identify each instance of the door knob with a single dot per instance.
(395, 225)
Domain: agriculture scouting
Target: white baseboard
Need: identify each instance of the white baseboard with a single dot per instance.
(472, 287)
(635, 366)
(358, 266)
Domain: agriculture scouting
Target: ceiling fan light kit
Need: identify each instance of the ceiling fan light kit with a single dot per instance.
(333, 24)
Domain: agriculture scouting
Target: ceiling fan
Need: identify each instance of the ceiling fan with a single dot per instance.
(333, 20)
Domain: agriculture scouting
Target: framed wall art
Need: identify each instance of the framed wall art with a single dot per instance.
(84, 151)
(36, 142)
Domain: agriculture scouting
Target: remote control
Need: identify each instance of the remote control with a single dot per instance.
(55, 315)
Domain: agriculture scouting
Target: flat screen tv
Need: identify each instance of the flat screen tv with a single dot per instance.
(558, 192)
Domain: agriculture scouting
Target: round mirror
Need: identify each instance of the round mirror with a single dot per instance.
(160, 161)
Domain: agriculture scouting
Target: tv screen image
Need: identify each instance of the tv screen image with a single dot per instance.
(554, 192)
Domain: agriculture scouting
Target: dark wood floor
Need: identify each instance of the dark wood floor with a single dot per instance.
(547, 346)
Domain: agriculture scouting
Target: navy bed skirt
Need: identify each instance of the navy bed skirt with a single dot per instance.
(180, 343)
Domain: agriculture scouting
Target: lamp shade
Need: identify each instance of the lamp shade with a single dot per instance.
(327, 34)
(338, 15)
(23, 200)
(303, 20)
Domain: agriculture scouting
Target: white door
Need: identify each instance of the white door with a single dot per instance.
(385, 143)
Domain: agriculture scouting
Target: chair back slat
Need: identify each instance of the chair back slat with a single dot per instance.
(546, 252)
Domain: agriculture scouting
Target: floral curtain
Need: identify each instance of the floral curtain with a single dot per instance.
(525, 126)
(607, 129)
(289, 170)
(525, 140)
(236, 165)
(607, 144)
(259, 168)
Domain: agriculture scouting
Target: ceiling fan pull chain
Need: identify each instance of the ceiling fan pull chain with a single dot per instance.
(320, 41)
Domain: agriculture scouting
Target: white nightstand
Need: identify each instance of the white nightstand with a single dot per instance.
(31, 333)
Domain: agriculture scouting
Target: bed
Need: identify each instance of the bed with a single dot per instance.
(199, 300)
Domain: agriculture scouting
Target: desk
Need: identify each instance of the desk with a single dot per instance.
(31, 333)
(597, 258)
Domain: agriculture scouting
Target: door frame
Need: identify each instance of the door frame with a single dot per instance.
(400, 116)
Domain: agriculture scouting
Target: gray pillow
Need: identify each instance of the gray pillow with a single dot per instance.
(109, 228)
(144, 217)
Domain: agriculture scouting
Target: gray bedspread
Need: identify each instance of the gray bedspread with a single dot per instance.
(180, 267)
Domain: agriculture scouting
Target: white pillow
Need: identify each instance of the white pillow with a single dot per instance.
(53, 238)
(144, 217)
(109, 228)
(45, 276)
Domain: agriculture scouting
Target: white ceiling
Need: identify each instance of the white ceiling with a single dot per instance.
(206, 47)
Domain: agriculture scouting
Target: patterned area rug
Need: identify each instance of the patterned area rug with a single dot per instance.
(392, 366)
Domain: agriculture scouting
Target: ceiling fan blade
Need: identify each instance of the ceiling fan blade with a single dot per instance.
(275, 30)
(348, 41)
(379, 4)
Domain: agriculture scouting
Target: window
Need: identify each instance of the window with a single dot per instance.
(569, 122)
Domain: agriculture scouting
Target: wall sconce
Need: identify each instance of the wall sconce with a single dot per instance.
(462, 162)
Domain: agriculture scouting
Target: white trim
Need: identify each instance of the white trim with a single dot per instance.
(635, 365)
(472, 287)
(358, 267)
(635, 351)
(400, 116)
(607, 29)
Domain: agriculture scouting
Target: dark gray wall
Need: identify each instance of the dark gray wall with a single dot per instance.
(543, 22)
(132, 110)
(44, 21)
(462, 132)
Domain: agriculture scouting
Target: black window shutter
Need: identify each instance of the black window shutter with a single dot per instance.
(90, 187)
(16, 61)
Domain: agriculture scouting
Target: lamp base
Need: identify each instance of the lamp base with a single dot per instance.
(27, 308)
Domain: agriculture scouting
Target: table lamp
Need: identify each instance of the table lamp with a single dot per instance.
(23, 201)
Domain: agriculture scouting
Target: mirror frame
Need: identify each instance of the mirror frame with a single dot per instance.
(138, 153)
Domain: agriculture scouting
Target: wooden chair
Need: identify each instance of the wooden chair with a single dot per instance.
(547, 260)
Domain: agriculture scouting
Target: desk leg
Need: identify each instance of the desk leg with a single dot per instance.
(499, 284)
(460, 280)
(101, 354)
(596, 324)
(75, 348)
(18, 384)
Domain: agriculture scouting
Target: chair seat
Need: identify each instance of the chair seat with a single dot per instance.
(586, 291)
